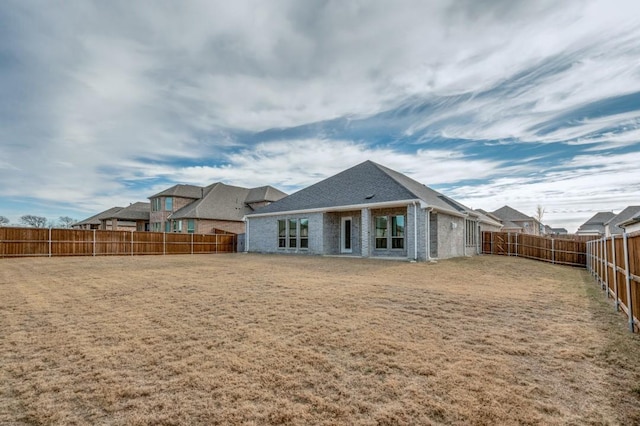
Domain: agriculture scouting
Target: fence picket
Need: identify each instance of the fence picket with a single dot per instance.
(28, 242)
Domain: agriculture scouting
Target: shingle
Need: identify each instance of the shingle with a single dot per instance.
(507, 213)
(135, 211)
(95, 219)
(365, 183)
(181, 190)
(626, 214)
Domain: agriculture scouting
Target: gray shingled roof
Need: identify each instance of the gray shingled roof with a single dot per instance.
(264, 193)
(95, 219)
(365, 183)
(136, 211)
(224, 202)
(596, 222)
(626, 214)
(510, 214)
(181, 190)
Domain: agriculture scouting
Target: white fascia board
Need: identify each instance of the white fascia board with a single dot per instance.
(385, 204)
(398, 203)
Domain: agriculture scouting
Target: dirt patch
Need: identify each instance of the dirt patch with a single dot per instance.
(250, 339)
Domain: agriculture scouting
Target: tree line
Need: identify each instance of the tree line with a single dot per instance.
(41, 221)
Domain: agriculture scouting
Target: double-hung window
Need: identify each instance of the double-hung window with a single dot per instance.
(191, 226)
(177, 226)
(168, 204)
(156, 205)
(389, 232)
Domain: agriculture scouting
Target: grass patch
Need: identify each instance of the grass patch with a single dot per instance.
(248, 339)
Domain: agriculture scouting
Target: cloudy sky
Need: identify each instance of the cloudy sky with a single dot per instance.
(491, 102)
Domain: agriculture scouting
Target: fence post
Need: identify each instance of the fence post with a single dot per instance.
(615, 271)
(191, 243)
(553, 254)
(516, 244)
(132, 243)
(216, 243)
(627, 274)
(94, 242)
(49, 241)
(508, 243)
(164, 243)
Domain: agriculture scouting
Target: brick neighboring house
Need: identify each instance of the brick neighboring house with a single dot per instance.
(135, 217)
(204, 210)
(95, 221)
(367, 211)
(596, 224)
(515, 221)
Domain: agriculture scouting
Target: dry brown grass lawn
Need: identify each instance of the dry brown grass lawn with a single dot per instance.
(250, 339)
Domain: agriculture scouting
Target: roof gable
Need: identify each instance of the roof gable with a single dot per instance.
(510, 214)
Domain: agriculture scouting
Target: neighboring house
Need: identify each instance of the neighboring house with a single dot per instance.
(135, 217)
(631, 225)
(367, 211)
(95, 221)
(596, 224)
(204, 210)
(515, 221)
(612, 226)
(559, 231)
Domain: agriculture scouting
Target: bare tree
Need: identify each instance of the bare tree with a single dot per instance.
(540, 211)
(66, 221)
(33, 221)
(4, 221)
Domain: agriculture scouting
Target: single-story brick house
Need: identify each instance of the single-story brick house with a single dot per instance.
(95, 221)
(368, 211)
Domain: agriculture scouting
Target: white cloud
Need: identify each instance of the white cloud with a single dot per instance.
(571, 192)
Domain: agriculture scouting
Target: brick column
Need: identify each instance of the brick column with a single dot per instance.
(365, 226)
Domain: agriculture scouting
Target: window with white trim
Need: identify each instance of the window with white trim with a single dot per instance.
(293, 233)
(471, 237)
(390, 232)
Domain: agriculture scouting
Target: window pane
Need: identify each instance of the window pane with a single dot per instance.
(292, 228)
(282, 243)
(292, 242)
(397, 243)
(304, 228)
(381, 227)
(168, 203)
(397, 226)
(282, 228)
(304, 243)
(191, 226)
(381, 243)
(167, 226)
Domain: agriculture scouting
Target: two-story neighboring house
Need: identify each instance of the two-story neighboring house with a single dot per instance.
(515, 221)
(203, 210)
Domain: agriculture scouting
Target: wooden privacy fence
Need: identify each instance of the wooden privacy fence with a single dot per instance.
(24, 242)
(555, 250)
(615, 263)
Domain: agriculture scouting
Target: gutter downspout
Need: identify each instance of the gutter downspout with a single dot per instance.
(415, 231)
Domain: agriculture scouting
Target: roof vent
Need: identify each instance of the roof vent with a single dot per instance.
(368, 197)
